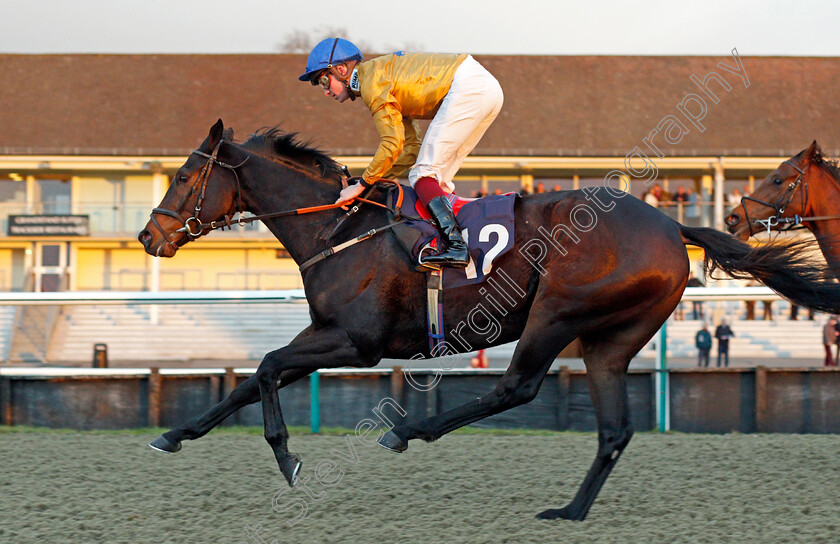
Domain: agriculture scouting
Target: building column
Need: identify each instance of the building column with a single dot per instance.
(31, 195)
(706, 185)
(719, 194)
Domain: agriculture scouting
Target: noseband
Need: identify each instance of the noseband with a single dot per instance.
(780, 205)
(200, 187)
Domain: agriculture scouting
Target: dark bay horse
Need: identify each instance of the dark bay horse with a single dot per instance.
(804, 190)
(595, 264)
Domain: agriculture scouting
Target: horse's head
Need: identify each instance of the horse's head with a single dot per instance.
(778, 199)
(204, 189)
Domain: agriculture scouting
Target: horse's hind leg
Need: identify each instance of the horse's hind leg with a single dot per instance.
(606, 355)
(534, 354)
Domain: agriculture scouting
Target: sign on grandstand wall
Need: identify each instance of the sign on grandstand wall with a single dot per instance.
(49, 225)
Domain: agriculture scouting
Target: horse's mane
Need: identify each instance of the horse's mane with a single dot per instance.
(832, 166)
(275, 142)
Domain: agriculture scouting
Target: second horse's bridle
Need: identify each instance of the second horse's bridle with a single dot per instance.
(781, 204)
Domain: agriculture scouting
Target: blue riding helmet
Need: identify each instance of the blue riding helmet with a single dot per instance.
(327, 54)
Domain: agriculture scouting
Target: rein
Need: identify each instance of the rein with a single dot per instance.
(194, 228)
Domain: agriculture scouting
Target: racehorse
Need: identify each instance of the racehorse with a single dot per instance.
(598, 265)
(803, 191)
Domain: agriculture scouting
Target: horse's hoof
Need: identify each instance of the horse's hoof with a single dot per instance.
(391, 442)
(163, 444)
(290, 467)
(558, 513)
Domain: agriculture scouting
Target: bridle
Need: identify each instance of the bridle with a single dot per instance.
(200, 187)
(787, 223)
(193, 228)
(780, 205)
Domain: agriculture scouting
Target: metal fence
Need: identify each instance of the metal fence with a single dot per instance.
(701, 401)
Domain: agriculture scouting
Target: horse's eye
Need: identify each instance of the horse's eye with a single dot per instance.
(777, 181)
(182, 178)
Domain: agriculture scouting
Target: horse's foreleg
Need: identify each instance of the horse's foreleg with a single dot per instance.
(327, 348)
(247, 392)
(519, 385)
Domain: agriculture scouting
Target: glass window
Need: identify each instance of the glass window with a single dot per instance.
(54, 196)
(12, 201)
(12, 191)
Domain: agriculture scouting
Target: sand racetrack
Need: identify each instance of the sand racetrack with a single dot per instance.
(109, 487)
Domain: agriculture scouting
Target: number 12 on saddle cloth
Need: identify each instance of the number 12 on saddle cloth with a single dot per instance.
(486, 224)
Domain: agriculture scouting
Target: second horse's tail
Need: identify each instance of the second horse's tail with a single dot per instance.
(789, 268)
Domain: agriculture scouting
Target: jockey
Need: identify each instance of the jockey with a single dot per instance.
(460, 97)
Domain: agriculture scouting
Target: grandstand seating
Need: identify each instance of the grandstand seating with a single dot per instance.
(182, 332)
(239, 332)
(7, 320)
(780, 338)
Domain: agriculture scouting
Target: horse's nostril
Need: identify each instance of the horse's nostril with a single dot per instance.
(733, 220)
(145, 237)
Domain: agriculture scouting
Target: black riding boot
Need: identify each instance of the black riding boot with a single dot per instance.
(454, 251)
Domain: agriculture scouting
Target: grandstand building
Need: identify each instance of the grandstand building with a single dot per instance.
(89, 142)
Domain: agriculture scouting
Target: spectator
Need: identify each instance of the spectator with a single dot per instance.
(682, 196)
(650, 198)
(540, 188)
(697, 305)
(837, 341)
(723, 333)
(750, 304)
(661, 194)
(557, 188)
(703, 341)
(794, 312)
(768, 310)
(830, 338)
(692, 209)
(734, 199)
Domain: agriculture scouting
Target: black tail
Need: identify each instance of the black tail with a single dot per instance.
(789, 268)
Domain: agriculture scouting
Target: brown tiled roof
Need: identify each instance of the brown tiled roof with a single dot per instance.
(555, 106)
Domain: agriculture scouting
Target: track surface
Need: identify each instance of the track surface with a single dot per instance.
(110, 487)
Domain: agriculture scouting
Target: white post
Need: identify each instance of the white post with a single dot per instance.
(158, 183)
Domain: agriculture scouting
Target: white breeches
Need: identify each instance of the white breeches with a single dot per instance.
(467, 110)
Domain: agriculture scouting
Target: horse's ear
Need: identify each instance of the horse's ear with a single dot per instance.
(813, 154)
(228, 134)
(216, 134)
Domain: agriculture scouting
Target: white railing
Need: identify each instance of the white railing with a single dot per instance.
(729, 293)
(160, 297)
(288, 295)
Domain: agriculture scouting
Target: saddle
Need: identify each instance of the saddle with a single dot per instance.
(486, 224)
